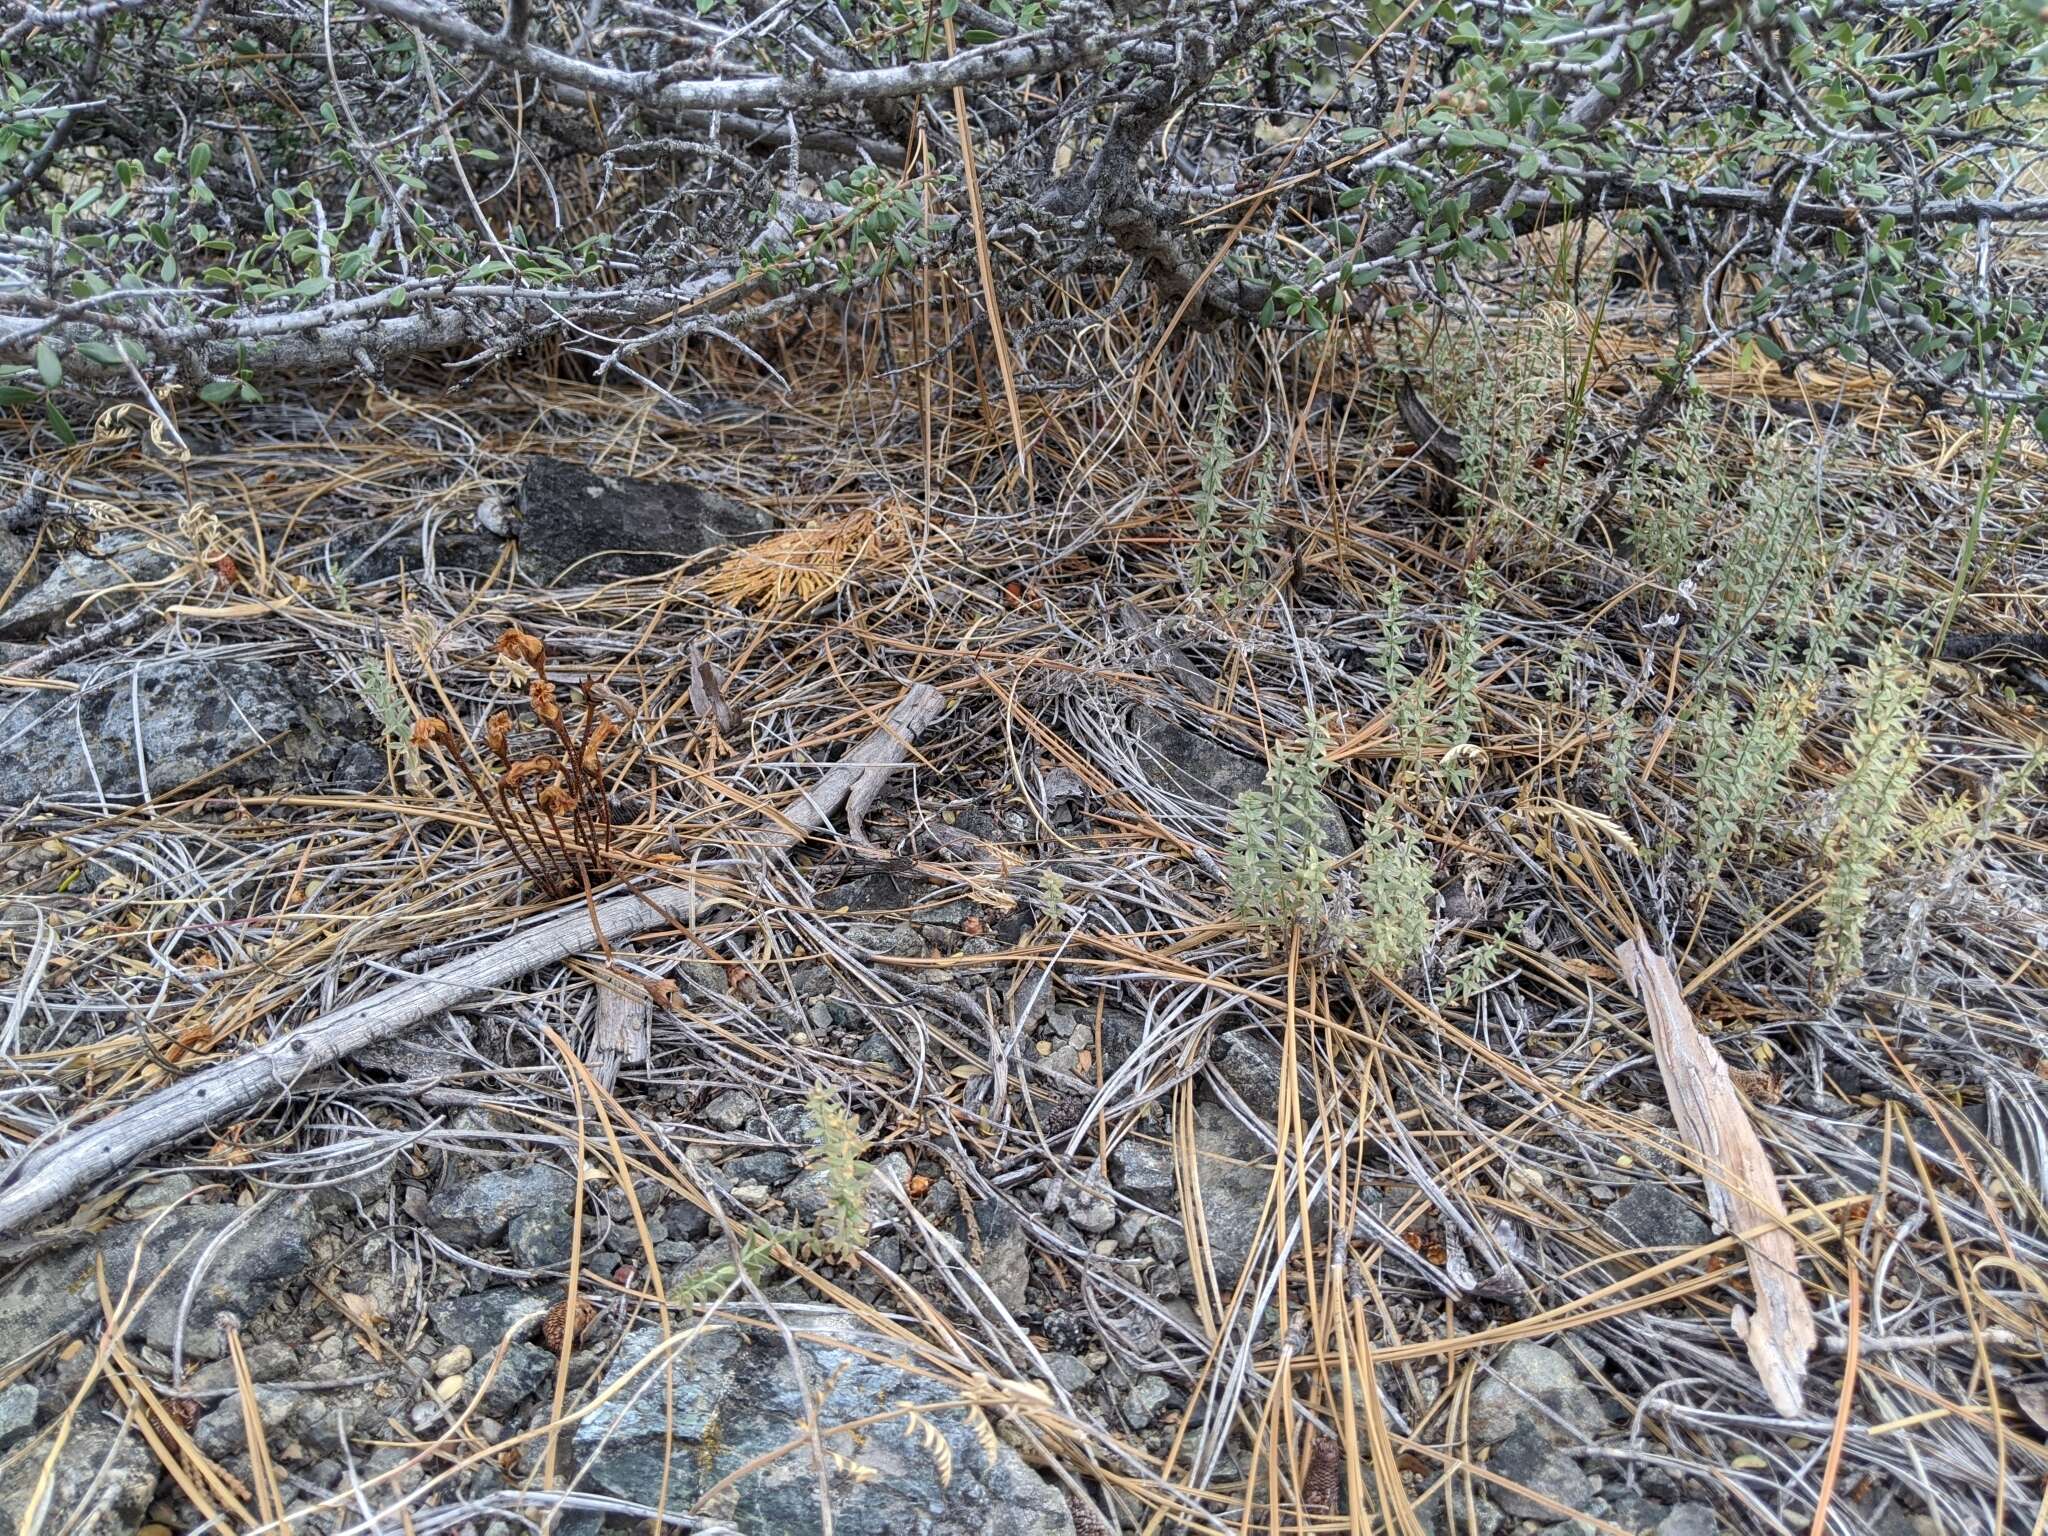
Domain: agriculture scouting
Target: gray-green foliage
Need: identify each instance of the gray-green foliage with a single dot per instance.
(1208, 557)
(1284, 878)
(1743, 760)
(841, 1228)
(1670, 495)
(1279, 862)
(1770, 560)
(1884, 754)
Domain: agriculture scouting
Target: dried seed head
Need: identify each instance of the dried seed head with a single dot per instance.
(431, 731)
(601, 735)
(525, 769)
(542, 696)
(555, 801)
(497, 732)
(517, 645)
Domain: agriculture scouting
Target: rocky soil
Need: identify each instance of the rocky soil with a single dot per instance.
(376, 1279)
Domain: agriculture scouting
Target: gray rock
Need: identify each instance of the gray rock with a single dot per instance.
(774, 1169)
(247, 1253)
(42, 608)
(542, 1238)
(732, 1395)
(481, 1319)
(525, 1369)
(1251, 1064)
(729, 1111)
(1122, 1035)
(596, 528)
(479, 1210)
(1005, 1254)
(1090, 1210)
(1146, 1399)
(237, 722)
(1144, 1171)
(1070, 1371)
(1469, 1514)
(268, 1360)
(1628, 1509)
(1236, 1170)
(14, 554)
(17, 1414)
(104, 1480)
(806, 1196)
(1527, 1459)
(1657, 1217)
(1522, 1383)
(1689, 1520)
(1195, 767)
(221, 1431)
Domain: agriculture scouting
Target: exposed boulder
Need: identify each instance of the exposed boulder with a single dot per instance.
(42, 608)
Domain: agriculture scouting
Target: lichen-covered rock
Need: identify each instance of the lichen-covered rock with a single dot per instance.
(43, 607)
(238, 722)
(477, 1210)
(101, 1486)
(731, 1395)
(242, 1258)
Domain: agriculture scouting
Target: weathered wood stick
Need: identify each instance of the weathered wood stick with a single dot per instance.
(77, 1159)
(1742, 1187)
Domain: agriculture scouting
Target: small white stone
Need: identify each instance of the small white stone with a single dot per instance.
(455, 1362)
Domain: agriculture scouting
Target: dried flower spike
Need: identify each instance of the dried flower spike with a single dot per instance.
(542, 696)
(430, 731)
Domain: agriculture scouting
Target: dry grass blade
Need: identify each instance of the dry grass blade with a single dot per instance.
(1741, 1184)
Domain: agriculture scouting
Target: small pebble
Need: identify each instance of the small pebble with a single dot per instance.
(454, 1362)
(449, 1389)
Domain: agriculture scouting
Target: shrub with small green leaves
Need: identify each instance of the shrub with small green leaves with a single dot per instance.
(1670, 496)
(1386, 926)
(1770, 558)
(1373, 908)
(1207, 558)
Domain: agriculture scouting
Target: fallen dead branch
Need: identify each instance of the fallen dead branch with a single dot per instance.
(1742, 1189)
(75, 1161)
